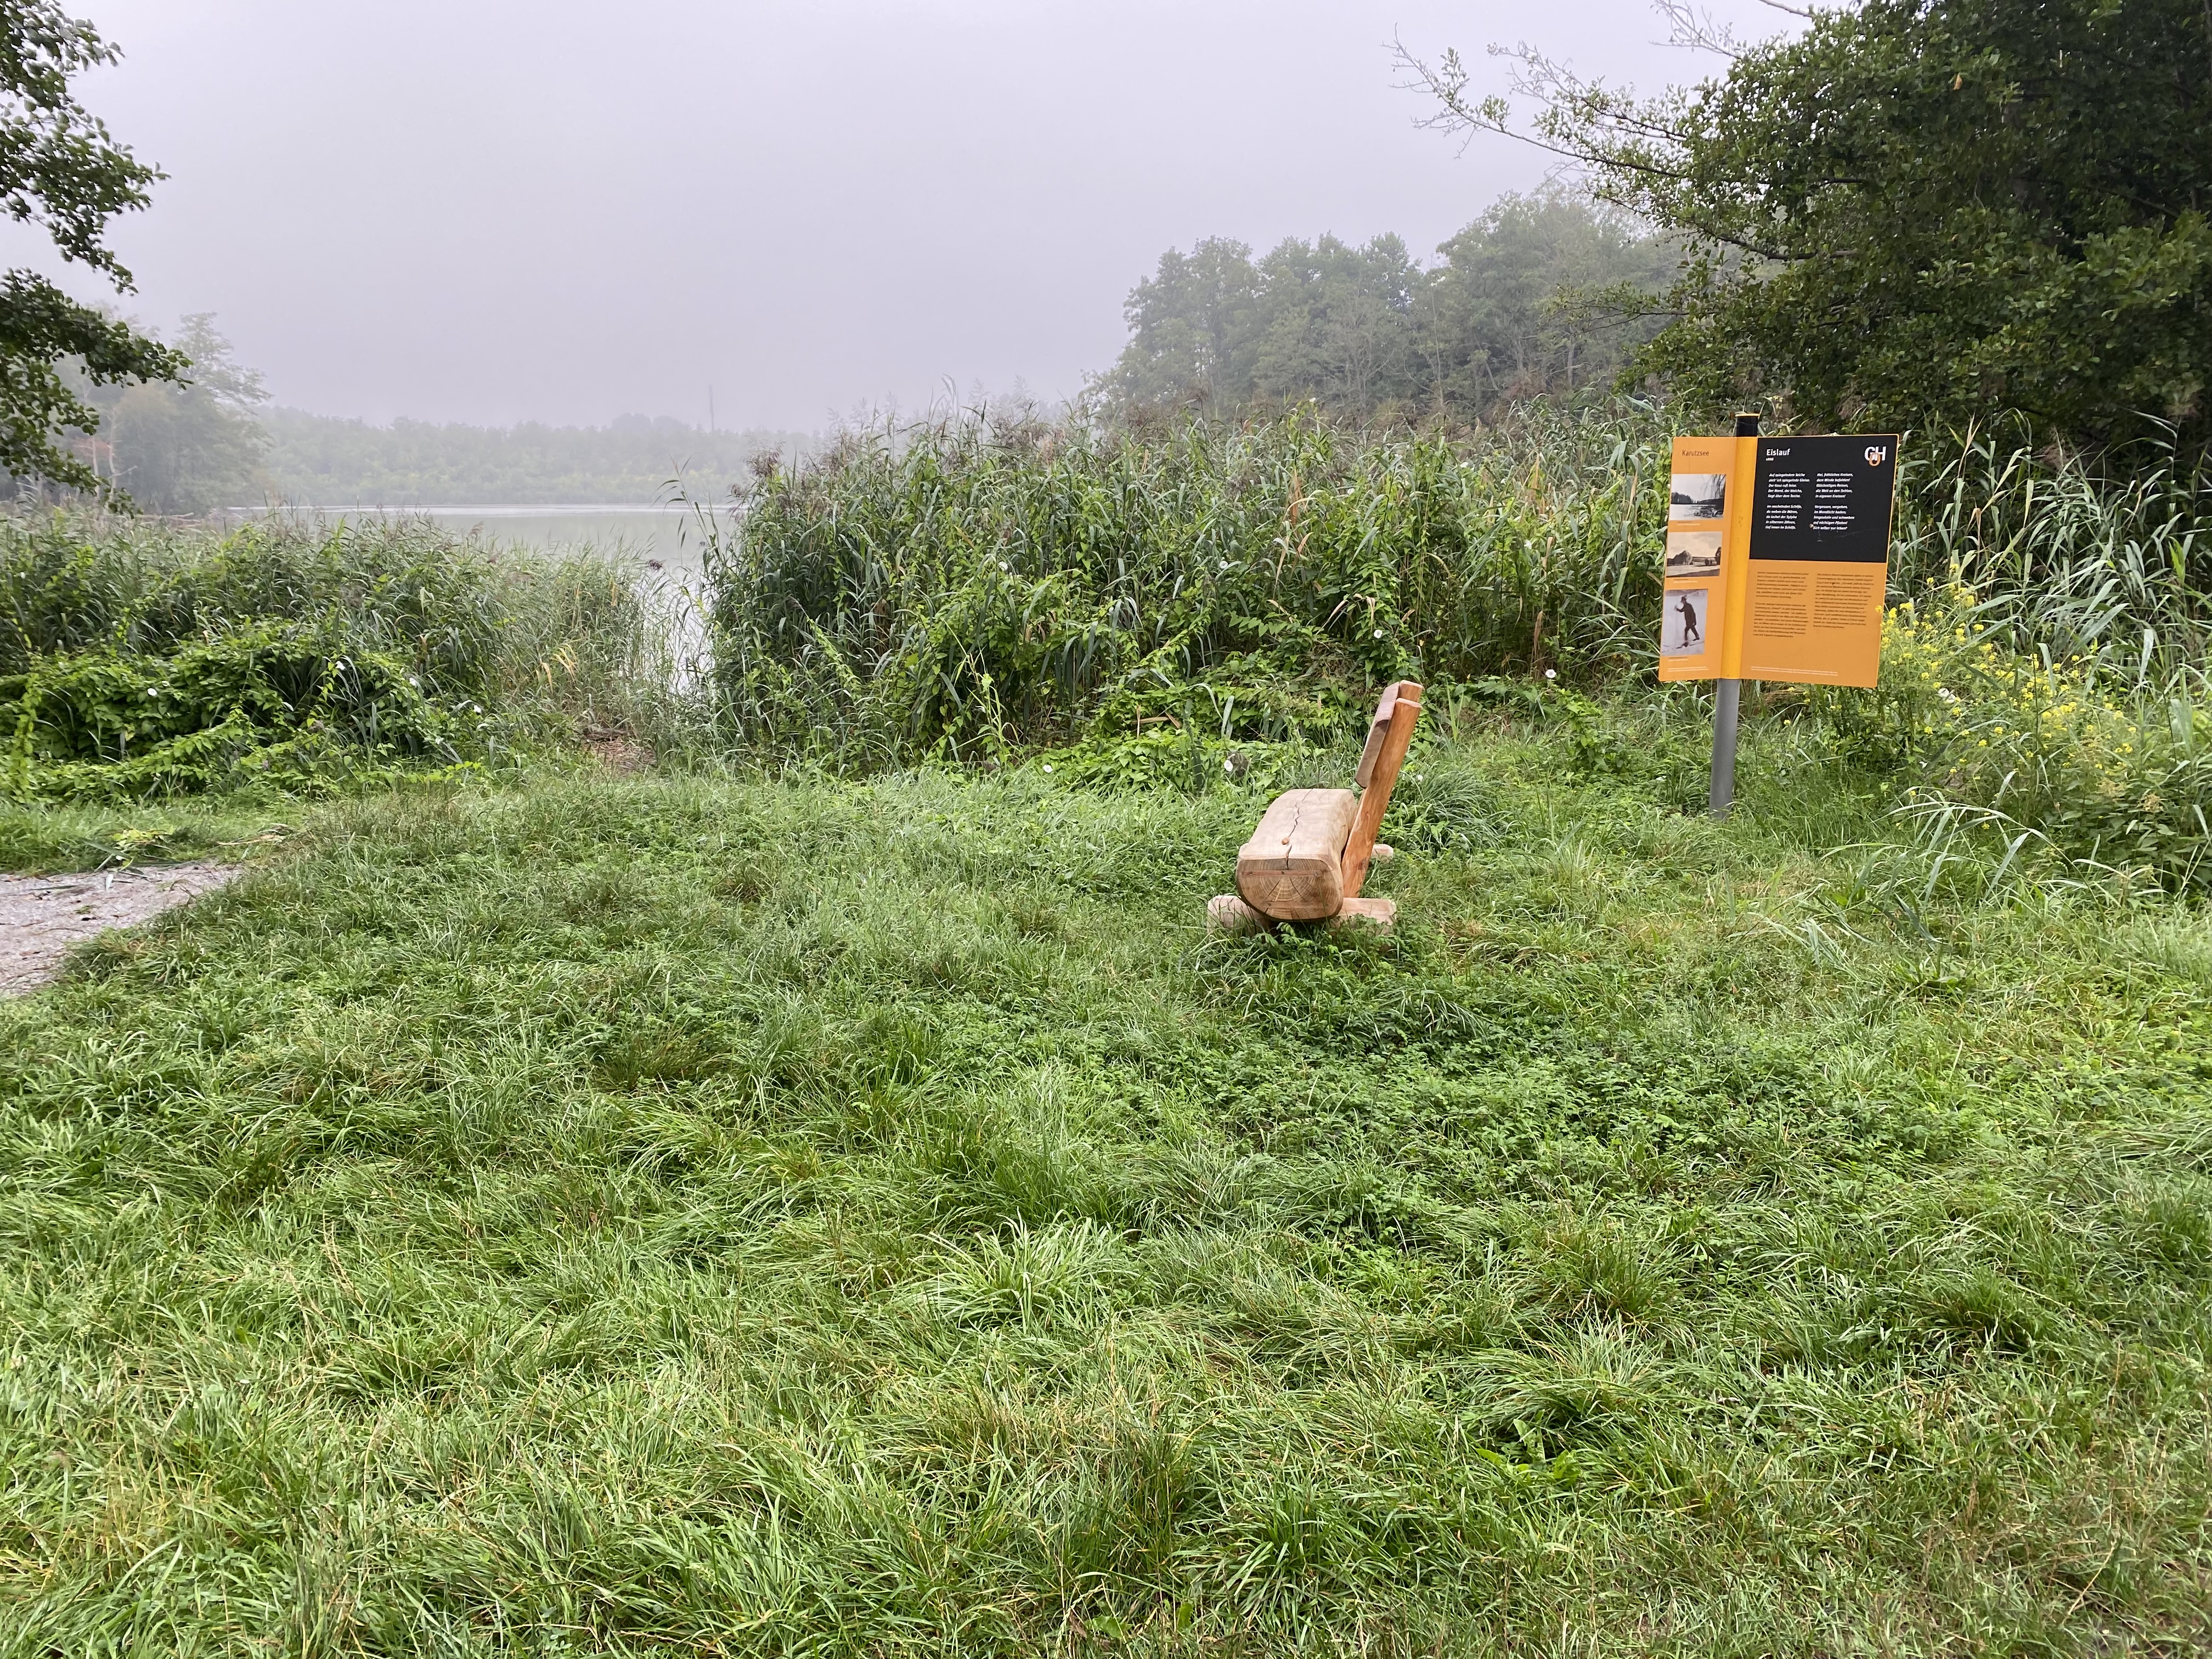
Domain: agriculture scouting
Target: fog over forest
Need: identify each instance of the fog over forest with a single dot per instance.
(494, 213)
(1363, 332)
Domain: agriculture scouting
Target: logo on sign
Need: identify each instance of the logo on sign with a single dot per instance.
(1877, 455)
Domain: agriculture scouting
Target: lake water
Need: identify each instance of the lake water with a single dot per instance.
(671, 535)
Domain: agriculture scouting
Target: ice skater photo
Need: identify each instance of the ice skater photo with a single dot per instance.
(1682, 622)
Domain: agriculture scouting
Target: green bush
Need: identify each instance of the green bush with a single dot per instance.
(139, 661)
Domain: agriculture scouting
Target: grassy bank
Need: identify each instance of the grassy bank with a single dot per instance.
(837, 1217)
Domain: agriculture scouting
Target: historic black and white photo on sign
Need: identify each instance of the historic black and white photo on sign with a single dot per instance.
(1697, 495)
(1694, 552)
(1682, 622)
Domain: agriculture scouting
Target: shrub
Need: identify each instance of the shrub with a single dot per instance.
(137, 660)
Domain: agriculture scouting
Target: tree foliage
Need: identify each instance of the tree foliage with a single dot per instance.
(187, 448)
(1921, 209)
(1368, 331)
(61, 171)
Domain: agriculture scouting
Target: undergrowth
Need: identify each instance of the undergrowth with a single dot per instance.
(139, 661)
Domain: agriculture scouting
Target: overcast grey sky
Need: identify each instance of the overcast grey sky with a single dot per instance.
(503, 209)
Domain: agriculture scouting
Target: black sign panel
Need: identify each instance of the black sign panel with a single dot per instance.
(1824, 498)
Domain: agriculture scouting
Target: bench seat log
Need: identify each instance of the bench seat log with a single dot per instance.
(1292, 869)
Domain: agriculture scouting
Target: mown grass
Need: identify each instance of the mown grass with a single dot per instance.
(873, 1217)
(42, 838)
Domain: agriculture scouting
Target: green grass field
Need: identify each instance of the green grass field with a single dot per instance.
(660, 1214)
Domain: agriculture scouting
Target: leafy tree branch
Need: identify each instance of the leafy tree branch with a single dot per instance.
(1913, 209)
(62, 170)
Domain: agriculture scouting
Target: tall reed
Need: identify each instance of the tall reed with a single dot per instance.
(138, 658)
(2064, 558)
(968, 585)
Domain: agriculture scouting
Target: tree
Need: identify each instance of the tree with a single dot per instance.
(1337, 324)
(1190, 330)
(1511, 313)
(191, 446)
(61, 171)
(1367, 332)
(1920, 209)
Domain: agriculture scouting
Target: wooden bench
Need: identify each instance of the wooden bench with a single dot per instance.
(1309, 857)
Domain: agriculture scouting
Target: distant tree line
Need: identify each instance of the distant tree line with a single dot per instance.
(321, 460)
(1542, 295)
(208, 440)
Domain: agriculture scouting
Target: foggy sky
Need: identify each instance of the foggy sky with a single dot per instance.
(495, 210)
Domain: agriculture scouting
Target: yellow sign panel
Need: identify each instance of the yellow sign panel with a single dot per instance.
(1777, 559)
(1702, 558)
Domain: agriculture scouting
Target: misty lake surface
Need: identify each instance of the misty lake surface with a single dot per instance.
(673, 535)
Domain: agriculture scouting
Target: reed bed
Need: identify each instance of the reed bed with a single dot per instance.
(1166, 606)
(139, 660)
(965, 589)
(2104, 563)
(1151, 605)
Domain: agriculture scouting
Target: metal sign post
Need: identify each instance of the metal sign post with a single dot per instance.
(1726, 696)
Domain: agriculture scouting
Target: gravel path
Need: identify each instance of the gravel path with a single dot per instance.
(42, 916)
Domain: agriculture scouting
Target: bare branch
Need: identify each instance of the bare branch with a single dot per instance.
(1694, 28)
(1447, 83)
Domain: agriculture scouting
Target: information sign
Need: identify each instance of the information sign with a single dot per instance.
(1824, 500)
(1776, 558)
